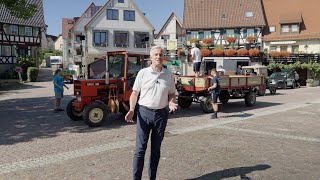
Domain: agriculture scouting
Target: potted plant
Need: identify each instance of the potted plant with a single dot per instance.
(314, 69)
(217, 52)
(207, 41)
(274, 54)
(230, 39)
(284, 54)
(251, 39)
(205, 52)
(254, 52)
(309, 82)
(230, 52)
(243, 52)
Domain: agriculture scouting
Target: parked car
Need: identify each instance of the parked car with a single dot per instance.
(283, 79)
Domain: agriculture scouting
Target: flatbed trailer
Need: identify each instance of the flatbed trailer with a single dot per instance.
(195, 89)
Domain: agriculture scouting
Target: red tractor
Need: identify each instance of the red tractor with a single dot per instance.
(95, 99)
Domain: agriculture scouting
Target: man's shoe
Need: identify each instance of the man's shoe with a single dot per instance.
(60, 109)
(214, 116)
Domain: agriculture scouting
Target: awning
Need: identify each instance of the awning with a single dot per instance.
(282, 42)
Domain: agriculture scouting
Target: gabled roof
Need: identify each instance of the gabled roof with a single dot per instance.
(101, 10)
(37, 20)
(167, 23)
(67, 24)
(209, 14)
(91, 7)
(292, 11)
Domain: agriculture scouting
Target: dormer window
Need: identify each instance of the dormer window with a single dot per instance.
(272, 29)
(248, 14)
(294, 28)
(290, 28)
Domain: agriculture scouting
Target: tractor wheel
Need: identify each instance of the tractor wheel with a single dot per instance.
(185, 102)
(95, 114)
(224, 97)
(206, 104)
(250, 98)
(72, 115)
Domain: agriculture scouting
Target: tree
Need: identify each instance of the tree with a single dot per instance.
(20, 8)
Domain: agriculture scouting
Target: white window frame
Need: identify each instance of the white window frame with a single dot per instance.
(194, 34)
(285, 27)
(122, 45)
(230, 33)
(207, 34)
(248, 14)
(100, 44)
(14, 29)
(28, 31)
(250, 32)
(273, 48)
(272, 29)
(297, 28)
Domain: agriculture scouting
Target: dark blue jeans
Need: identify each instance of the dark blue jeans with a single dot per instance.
(156, 122)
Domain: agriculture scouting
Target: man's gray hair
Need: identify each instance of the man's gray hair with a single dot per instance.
(154, 48)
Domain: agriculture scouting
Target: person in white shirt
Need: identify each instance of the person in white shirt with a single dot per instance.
(157, 98)
(221, 71)
(196, 57)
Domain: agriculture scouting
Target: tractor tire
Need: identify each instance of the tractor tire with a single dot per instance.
(185, 102)
(72, 115)
(95, 114)
(224, 97)
(250, 99)
(206, 104)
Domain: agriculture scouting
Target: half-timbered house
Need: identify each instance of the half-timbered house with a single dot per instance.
(220, 19)
(19, 37)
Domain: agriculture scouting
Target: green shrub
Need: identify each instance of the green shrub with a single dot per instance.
(24, 62)
(9, 74)
(32, 74)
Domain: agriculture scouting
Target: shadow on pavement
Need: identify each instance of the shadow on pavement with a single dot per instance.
(24, 120)
(18, 86)
(233, 172)
(230, 107)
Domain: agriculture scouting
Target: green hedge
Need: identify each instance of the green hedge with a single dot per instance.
(32, 73)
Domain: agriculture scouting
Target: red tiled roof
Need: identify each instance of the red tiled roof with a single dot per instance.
(66, 26)
(208, 14)
(292, 11)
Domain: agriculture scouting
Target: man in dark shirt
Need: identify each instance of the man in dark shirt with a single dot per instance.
(215, 90)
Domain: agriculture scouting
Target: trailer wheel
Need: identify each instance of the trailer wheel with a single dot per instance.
(95, 114)
(184, 102)
(72, 115)
(206, 104)
(224, 97)
(250, 98)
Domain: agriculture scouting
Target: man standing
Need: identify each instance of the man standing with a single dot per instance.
(157, 91)
(196, 57)
(239, 70)
(296, 78)
(58, 89)
(221, 71)
(215, 93)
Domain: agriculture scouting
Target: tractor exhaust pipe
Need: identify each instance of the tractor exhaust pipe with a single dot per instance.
(107, 70)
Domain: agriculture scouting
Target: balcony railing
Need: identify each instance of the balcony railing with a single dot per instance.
(295, 57)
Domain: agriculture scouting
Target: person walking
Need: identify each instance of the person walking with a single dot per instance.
(296, 78)
(196, 57)
(157, 93)
(58, 85)
(215, 90)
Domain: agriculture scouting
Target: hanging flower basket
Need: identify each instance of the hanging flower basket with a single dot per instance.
(275, 54)
(231, 39)
(217, 52)
(207, 41)
(230, 52)
(243, 52)
(284, 54)
(251, 39)
(205, 52)
(254, 52)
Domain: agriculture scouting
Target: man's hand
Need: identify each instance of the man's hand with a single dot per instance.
(172, 106)
(129, 116)
(209, 89)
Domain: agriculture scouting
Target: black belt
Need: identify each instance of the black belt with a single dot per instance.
(153, 110)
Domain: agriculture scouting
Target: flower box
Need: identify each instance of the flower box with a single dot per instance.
(254, 52)
(207, 41)
(251, 39)
(217, 52)
(243, 52)
(205, 52)
(230, 52)
(231, 39)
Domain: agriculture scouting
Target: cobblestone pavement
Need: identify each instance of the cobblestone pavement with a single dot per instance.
(279, 138)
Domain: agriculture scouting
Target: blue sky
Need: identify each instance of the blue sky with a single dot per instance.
(157, 11)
